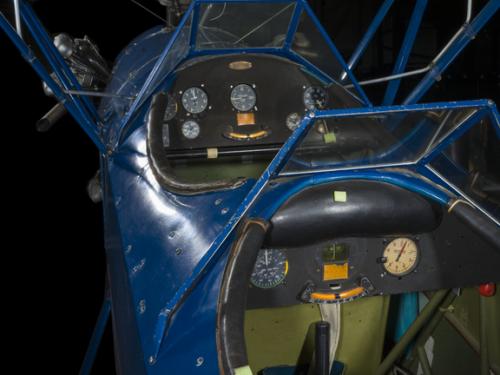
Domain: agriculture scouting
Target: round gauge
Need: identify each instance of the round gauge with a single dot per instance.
(400, 256)
(194, 100)
(190, 129)
(293, 121)
(171, 110)
(270, 269)
(243, 97)
(315, 98)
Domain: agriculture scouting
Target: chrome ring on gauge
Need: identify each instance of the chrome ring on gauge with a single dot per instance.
(190, 129)
(194, 100)
(315, 98)
(243, 97)
(400, 256)
(293, 121)
(270, 270)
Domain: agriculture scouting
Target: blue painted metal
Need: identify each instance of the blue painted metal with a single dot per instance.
(467, 34)
(167, 252)
(292, 29)
(404, 53)
(367, 37)
(194, 27)
(349, 112)
(213, 252)
(407, 312)
(95, 341)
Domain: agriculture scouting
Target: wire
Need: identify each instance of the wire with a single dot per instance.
(149, 11)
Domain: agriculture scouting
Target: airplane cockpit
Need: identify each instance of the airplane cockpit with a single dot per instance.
(264, 216)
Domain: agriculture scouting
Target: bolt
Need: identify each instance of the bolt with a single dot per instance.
(129, 249)
(224, 211)
(178, 251)
(199, 361)
(171, 234)
(218, 201)
(151, 360)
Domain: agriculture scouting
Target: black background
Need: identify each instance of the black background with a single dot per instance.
(54, 263)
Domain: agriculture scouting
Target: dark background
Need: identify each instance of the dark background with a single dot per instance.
(53, 237)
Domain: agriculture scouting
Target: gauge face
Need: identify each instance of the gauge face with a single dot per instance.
(270, 269)
(243, 97)
(401, 256)
(171, 110)
(315, 98)
(190, 129)
(194, 100)
(293, 121)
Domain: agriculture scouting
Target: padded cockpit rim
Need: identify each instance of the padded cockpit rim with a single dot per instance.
(159, 163)
(230, 334)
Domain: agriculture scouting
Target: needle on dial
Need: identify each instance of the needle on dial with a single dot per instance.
(401, 251)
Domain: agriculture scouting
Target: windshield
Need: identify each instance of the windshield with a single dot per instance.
(374, 139)
(456, 146)
(287, 28)
(221, 25)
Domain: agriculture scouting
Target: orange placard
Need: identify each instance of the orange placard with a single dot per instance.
(335, 271)
(243, 119)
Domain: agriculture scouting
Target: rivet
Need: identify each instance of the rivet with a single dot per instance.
(142, 306)
(224, 211)
(151, 360)
(199, 361)
(218, 201)
(129, 249)
(178, 251)
(172, 234)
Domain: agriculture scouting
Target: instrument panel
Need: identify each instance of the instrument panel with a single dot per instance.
(343, 269)
(229, 102)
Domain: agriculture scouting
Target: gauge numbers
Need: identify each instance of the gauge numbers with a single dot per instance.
(293, 121)
(243, 97)
(190, 129)
(270, 269)
(171, 110)
(400, 256)
(194, 100)
(315, 98)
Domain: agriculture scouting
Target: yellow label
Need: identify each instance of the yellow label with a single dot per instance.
(335, 271)
(340, 196)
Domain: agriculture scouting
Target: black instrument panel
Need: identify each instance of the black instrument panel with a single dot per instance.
(242, 101)
(451, 256)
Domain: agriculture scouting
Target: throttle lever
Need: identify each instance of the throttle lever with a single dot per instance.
(51, 117)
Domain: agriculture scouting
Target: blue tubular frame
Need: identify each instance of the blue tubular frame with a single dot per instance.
(73, 107)
(467, 34)
(95, 341)
(365, 41)
(404, 53)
